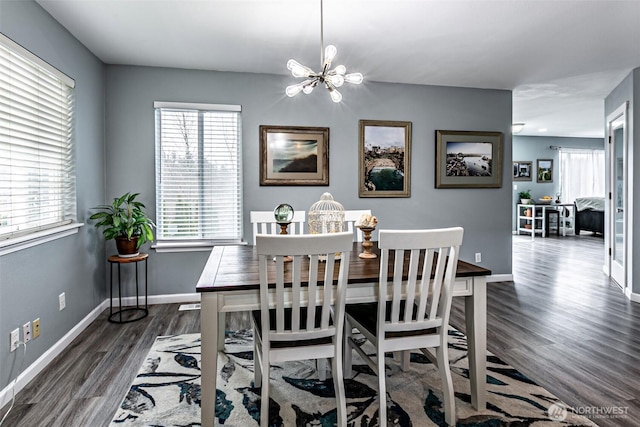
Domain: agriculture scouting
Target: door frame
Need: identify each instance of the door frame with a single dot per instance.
(610, 222)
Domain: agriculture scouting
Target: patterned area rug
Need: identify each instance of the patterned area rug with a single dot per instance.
(166, 392)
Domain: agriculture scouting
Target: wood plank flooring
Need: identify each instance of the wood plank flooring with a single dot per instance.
(561, 323)
(566, 326)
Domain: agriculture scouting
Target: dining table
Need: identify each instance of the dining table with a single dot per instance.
(230, 282)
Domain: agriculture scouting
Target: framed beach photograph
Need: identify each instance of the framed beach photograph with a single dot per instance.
(384, 159)
(522, 171)
(467, 159)
(545, 170)
(294, 155)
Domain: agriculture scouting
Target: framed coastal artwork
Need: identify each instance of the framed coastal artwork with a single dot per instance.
(468, 159)
(384, 167)
(522, 171)
(545, 170)
(294, 155)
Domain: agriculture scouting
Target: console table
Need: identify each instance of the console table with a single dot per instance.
(533, 219)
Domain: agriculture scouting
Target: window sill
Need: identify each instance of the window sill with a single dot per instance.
(198, 246)
(24, 242)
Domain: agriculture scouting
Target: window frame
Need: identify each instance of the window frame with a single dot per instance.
(39, 235)
(198, 244)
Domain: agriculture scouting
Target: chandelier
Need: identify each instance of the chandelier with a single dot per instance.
(331, 78)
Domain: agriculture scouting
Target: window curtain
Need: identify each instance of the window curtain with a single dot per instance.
(582, 173)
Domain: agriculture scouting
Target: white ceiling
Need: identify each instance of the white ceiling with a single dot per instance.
(560, 58)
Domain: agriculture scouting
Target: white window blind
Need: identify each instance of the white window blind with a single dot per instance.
(37, 163)
(198, 172)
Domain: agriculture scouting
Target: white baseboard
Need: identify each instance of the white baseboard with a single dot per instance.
(39, 364)
(500, 278)
(632, 296)
(158, 299)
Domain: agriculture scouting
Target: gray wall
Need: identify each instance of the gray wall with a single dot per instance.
(532, 148)
(115, 153)
(485, 213)
(32, 279)
(629, 90)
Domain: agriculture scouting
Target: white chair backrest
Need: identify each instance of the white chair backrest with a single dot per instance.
(264, 222)
(428, 299)
(306, 268)
(350, 218)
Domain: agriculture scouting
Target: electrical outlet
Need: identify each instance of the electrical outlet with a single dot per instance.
(26, 332)
(36, 328)
(478, 257)
(62, 301)
(15, 339)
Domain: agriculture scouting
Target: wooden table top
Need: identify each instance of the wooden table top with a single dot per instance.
(236, 267)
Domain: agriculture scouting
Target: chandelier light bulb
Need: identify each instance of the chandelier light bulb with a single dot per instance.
(335, 96)
(340, 69)
(330, 52)
(298, 70)
(293, 90)
(355, 78)
(336, 80)
(308, 89)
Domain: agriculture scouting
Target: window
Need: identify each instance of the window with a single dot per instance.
(582, 173)
(37, 164)
(198, 174)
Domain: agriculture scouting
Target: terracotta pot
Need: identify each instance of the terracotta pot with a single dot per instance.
(126, 247)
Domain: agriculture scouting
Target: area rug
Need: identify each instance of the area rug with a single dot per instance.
(166, 391)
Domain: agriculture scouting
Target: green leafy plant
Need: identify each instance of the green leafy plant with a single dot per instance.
(125, 217)
(525, 194)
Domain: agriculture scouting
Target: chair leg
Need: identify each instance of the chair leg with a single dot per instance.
(405, 360)
(338, 385)
(382, 388)
(264, 394)
(442, 354)
(348, 351)
(321, 367)
(257, 365)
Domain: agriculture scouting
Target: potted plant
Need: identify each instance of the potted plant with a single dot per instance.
(125, 221)
(525, 197)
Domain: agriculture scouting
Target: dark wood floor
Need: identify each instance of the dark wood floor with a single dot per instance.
(566, 326)
(562, 323)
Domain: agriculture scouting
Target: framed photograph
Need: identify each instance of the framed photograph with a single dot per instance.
(294, 155)
(522, 171)
(467, 159)
(384, 159)
(545, 170)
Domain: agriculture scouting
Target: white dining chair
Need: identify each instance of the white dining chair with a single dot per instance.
(264, 222)
(350, 219)
(309, 323)
(411, 313)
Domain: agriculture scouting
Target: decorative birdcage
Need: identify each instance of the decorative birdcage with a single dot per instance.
(326, 216)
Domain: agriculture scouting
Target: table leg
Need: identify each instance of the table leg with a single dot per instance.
(209, 364)
(476, 322)
(110, 289)
(221, 329)
(119, 292)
